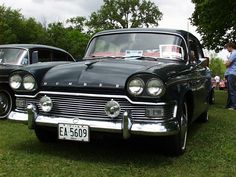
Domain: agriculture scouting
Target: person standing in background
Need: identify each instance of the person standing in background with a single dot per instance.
(230, 75)
(217, 79)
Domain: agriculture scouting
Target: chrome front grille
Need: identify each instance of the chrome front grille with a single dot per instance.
(92, 108)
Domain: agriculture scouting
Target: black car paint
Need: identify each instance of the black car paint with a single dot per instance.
(178, 77)
(184, 80)
(7, 69)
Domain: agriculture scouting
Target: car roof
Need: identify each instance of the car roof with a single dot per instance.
(30, 46)
(154, 30)
(168, 30)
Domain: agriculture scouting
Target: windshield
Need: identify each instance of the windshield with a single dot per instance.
(167, 46)
(13, 56)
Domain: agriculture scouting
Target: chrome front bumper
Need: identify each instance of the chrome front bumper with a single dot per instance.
(126, 127)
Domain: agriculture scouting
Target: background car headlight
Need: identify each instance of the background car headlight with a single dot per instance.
(15, 81)
(46, 104)
(136, 86)
(155, 87)
(29, 82)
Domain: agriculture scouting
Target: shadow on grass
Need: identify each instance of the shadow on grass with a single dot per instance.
(102, 150)
(143, 151)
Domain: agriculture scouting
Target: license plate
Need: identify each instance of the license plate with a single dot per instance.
(73, 132)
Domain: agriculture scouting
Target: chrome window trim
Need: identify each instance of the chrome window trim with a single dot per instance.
(91, 95)
(158, 32)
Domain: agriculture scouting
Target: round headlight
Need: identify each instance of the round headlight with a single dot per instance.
(15, 81)
(29, 82)
(155, 87)
(136, 86)
(46, 104)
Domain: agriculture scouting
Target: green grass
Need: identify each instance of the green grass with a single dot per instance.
(211, 151)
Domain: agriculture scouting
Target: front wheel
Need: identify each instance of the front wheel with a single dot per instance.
(179, 140)
(5, 103)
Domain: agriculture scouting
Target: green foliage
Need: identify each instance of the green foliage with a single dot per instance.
(10, 25)
(215, 21)
(125, 14)
(16, 29)
(217, 67)
(75, 35)
(77, 23)
(70, 39)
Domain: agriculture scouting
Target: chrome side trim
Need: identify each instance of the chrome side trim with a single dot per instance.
(90, 95)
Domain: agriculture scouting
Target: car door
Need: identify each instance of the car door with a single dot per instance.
(199, 81)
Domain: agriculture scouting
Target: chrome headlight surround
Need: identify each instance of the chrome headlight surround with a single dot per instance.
(136, 86)
(15, 81)
(29, 82)
(155, 87)
(46, 104)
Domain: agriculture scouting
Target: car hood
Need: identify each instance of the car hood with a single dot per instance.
(102, 73)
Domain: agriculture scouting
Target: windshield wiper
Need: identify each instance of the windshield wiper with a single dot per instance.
(104, 57)
(142, 58)
(125, 57)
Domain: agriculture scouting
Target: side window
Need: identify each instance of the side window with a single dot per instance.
(199, 49)
(59, 56)
(44, 56)
(194, 55)
(195, 50)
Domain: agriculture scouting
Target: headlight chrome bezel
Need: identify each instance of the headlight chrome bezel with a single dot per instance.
(161, 87)
(11, 80)
(142, 86)
(147, 82)
(24, 83)
(24, 79)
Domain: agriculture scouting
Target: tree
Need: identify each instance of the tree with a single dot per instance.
(77, 23)
(10, 24)
(215, 21)
(125, 14)
(70, 39)
(77, 42)
(16, 29)
(217, 67)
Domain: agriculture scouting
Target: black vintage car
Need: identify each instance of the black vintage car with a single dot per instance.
(14, 56)
(150, 82)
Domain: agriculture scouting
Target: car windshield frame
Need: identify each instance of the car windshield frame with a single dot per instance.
(132, 45)
(14, 56)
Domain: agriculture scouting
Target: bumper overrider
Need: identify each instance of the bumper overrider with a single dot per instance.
(125, 126)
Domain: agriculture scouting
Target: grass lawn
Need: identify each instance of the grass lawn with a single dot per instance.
(211, 151)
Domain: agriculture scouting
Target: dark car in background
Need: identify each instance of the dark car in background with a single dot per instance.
(15, 56)
(146, 82)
